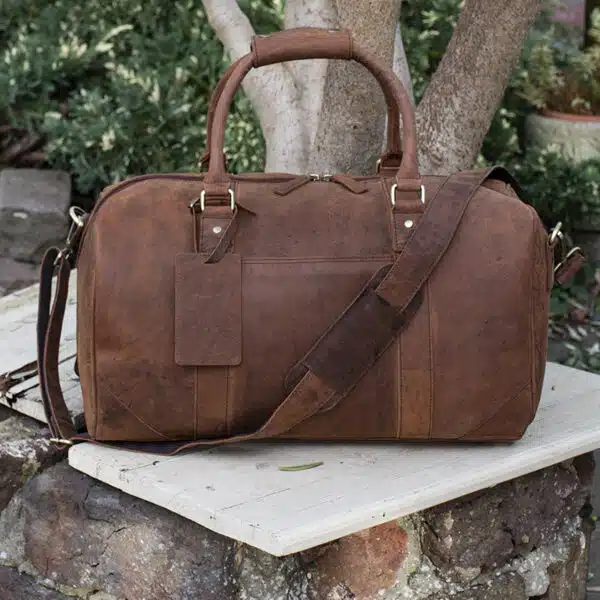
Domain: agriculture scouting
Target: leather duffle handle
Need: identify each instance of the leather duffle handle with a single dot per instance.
(307, 43)
(301, 43)
(332, 44)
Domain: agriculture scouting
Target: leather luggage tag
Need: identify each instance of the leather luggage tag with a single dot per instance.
(208, 311)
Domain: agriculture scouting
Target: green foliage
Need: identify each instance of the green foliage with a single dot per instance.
(121, 88)
(558, 189)
(557, 75)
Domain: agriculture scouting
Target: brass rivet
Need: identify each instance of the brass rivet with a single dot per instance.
(408, 224)
(217, 229)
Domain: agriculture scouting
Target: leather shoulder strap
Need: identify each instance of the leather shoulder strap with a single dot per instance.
(338, 360)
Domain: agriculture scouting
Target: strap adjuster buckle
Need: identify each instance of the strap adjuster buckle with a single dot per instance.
(393, 194)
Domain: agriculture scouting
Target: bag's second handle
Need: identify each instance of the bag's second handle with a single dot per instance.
(301, 44)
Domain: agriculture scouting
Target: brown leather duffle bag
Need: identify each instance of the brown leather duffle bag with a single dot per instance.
(216, 308)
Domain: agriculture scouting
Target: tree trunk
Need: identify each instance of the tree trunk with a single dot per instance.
(322, 116)
(353, 113)
(460, 102)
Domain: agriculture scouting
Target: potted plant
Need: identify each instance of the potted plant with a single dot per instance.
(562, 82)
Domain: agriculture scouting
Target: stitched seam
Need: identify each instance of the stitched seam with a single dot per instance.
(227, 425)
(200, 249)
(94, 358)
(195, 403)
(531, 336)
(228, 408)
(532, 308)
(501, 407)
(399, 403)
(431, 362)
(113, 395)
(383, 258)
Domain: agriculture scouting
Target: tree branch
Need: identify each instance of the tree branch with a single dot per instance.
(461, 99)
(231, 25)
(309, 75)
(271, 90)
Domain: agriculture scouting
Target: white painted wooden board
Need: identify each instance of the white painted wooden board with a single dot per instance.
(240, 492)
(18, 320)
(26, 398)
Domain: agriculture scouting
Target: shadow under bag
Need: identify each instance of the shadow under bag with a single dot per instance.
(217, 308)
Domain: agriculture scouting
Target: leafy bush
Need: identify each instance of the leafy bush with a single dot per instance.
(558, 189)
(561, 76)
(120, 88)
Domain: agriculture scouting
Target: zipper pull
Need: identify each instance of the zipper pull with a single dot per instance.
(356, 187)
(351, 184)
(294, 184)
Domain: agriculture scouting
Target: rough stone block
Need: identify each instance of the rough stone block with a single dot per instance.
(16, 586)
(87, 539)
(33, 211)
(567, 579)
(85, 536)
(505, 587)
(15, 275)
(24, 451)
(489, 528)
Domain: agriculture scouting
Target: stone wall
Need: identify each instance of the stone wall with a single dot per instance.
(33, 216)
(65, 535)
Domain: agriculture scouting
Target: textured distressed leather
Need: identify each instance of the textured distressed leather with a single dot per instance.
(324, 310)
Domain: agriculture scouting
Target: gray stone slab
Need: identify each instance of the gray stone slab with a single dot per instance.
(15, 275)
(24, 451)
(33, 211)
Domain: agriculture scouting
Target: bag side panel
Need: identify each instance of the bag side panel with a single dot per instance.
(481, 320)
(141, 394)
(542, 279)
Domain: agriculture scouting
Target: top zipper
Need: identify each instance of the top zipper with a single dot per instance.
(291, 182)
(350, 183)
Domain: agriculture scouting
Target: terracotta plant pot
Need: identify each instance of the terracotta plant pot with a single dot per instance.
(576, 137)
(552, 114)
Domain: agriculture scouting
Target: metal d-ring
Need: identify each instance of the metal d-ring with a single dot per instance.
(77, 215)
(202, 198)
(556, 233)
(393, 194)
